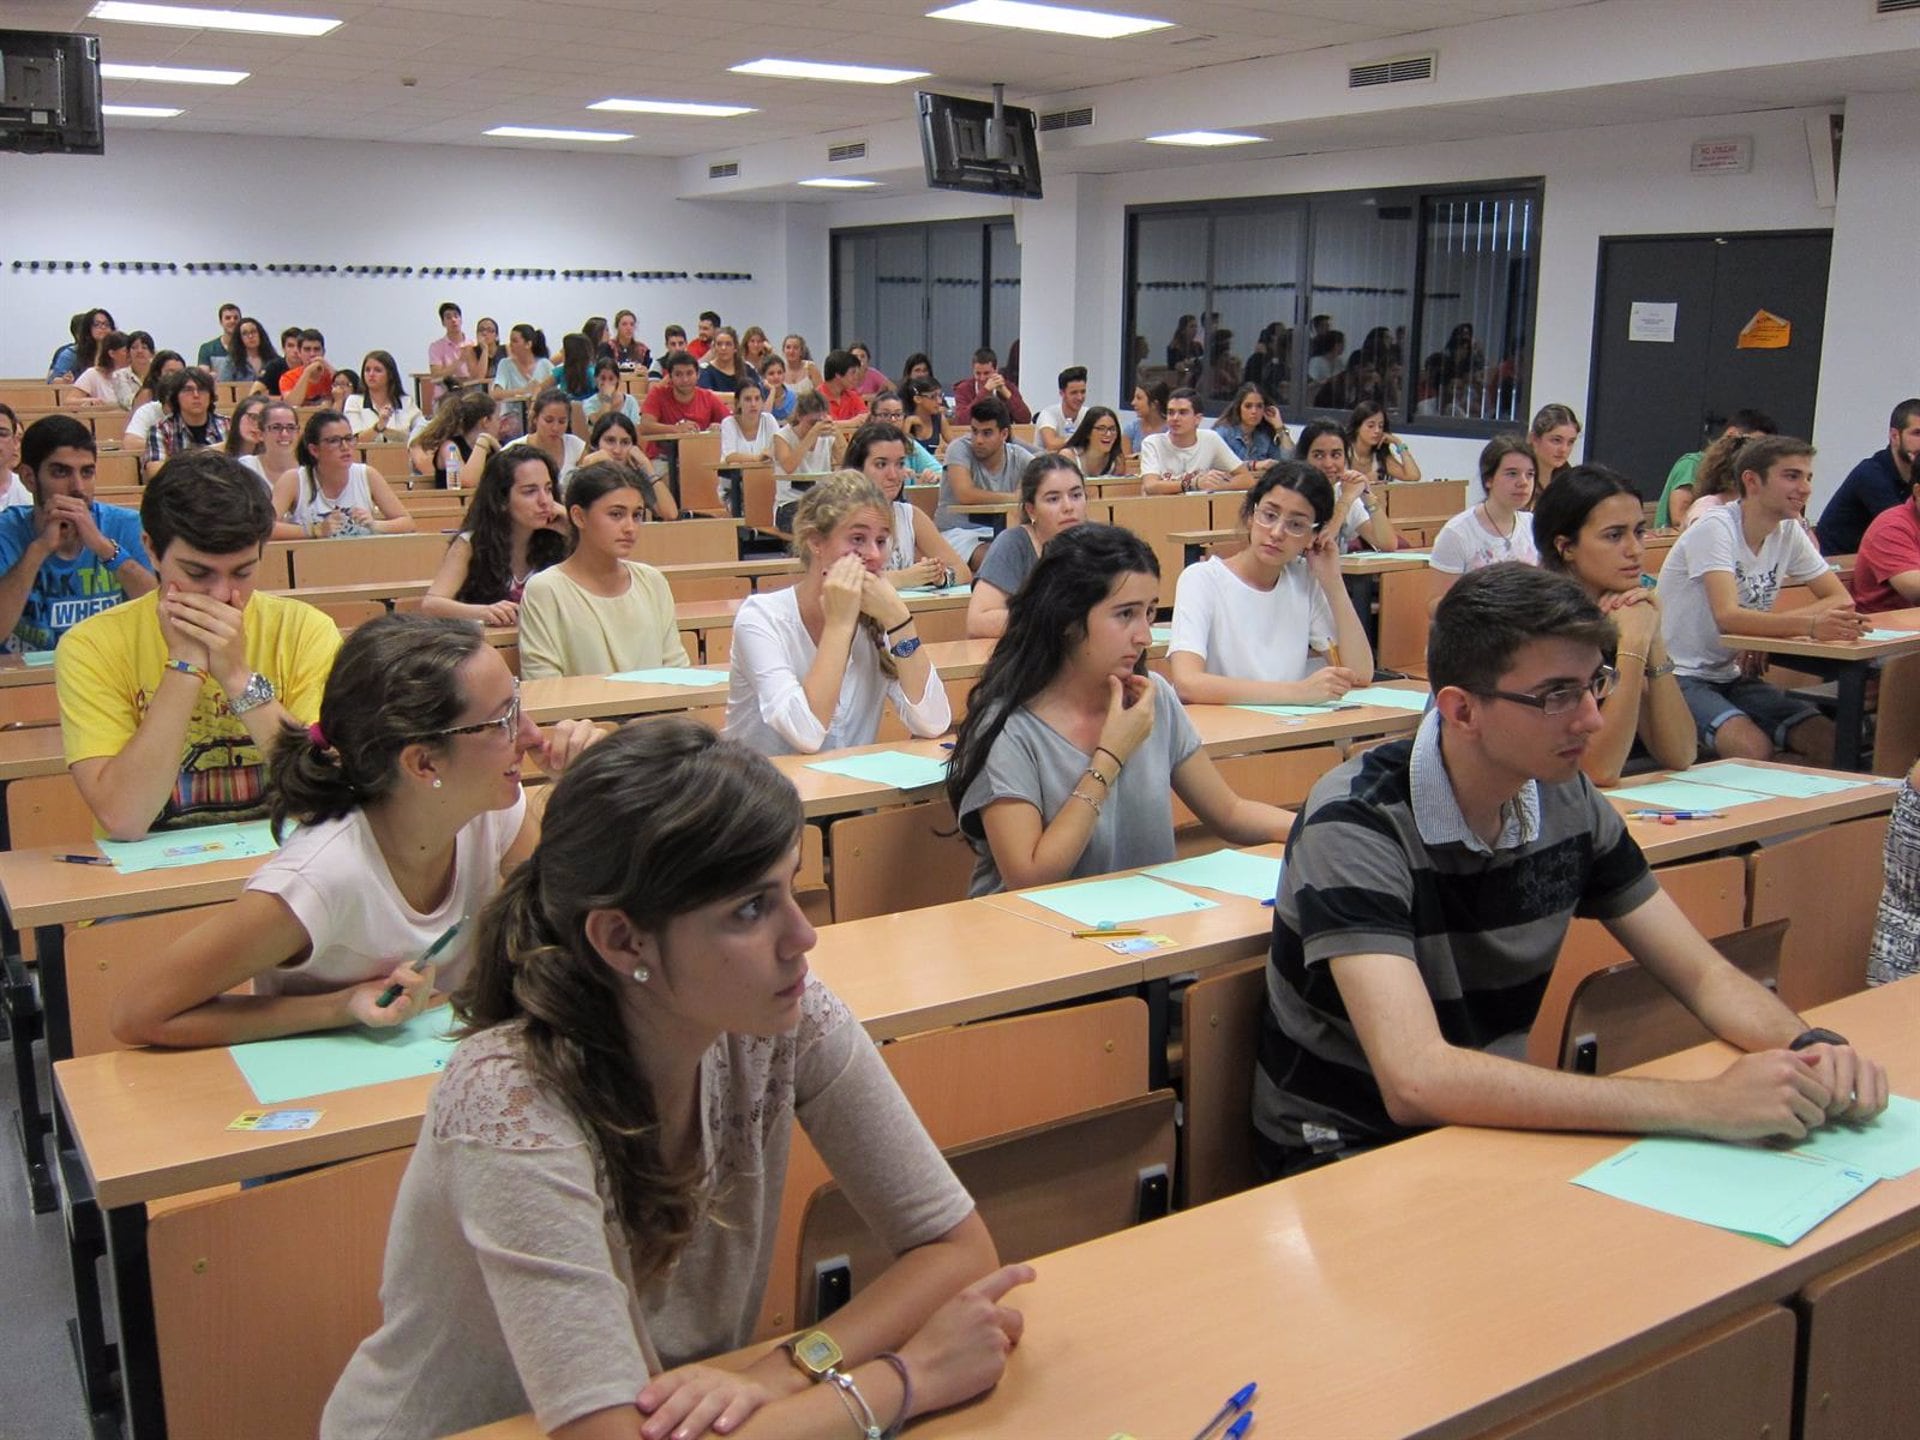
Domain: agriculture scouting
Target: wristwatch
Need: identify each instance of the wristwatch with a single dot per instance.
(905, 648)
(816, 1354)
(1816, 1036)
(259, 691)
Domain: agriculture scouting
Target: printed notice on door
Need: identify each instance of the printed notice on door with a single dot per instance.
(1652, 321)
(1765, 331)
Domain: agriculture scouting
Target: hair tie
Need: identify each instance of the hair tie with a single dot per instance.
(317, 737)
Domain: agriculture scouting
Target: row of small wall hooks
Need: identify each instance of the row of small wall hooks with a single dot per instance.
(437, 272)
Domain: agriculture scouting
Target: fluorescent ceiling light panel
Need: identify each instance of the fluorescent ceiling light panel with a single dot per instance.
(537, 132)
(820, 70)
(1205, 139)
(187, 18)
(141, 112)
(1052, 19)
(171, 74)
(840, 182)
(672, 107)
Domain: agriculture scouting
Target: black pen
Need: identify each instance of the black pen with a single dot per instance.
(82, 860)
(392, 992)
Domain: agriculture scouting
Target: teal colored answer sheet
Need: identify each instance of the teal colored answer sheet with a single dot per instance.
(296, 1066)
(1293, 711)
(1782, 784)
(672, 675)
(1685, 795)
(1872, 635)
(1235, 871)
(1118, 901)
(1162, 635)
(1888, 1144)
(1771, 1195)
(36, 658)
(202, 845)
(887, 767)
(1414, 700)
(927, 591)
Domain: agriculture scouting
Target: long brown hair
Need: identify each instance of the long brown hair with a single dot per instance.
(657, 820)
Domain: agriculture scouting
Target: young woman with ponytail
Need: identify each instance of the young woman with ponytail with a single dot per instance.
(812, 663)
(591, 1209)
(407, 796)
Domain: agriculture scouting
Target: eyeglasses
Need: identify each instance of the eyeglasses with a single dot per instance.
(285, 430)
(335, 440)
(508, 724)
(1563, 698)
(1297, 526)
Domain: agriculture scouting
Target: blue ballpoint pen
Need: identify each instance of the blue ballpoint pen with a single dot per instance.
(1676, 815)
(1236, 1403)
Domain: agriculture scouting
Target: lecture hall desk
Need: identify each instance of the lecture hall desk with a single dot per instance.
(1550, 1313)
(1848, 663)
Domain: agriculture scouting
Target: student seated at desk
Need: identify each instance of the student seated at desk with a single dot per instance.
(515, 527)
(617, 439)
(332, 495)
(1358, 518)
(917, 554)
(67, 556)
(1097, 446)
(598, 612)
(813, 663)
(407, 796)
(170, 703)
(805, 445)
(1274, 624)
(1188, 458)
(469, 421)
(1428, 888)
(983, 467)
(591, 1210)
(1500, 527)
(1886, 572)
(550, 415)
(1064, 765)
(1591, 526)
(1053, 499)
(1722, 577)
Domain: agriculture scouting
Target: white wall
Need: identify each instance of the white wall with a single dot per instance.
(186, 198)
(1871, 360)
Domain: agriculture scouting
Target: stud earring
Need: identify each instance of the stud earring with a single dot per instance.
(641, 974)
(436, 782)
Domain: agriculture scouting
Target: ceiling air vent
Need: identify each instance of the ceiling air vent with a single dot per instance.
(856, 150)
(1082, 117)
(1406, 69)
(725, 170)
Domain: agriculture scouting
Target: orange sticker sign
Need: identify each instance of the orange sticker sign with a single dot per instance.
(1765, 331)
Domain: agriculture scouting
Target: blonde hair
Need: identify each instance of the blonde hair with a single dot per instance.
(828, 505)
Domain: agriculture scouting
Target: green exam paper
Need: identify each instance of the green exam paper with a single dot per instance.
(1235, 871)
(201, 845)
(1117, 901)
(887, 767)
(1771, 1195)
(296, 1066)
(672, 675)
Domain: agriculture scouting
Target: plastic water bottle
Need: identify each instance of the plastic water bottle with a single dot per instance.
(450, 464)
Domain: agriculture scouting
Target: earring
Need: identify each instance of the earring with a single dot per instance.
(436, 782)
(641, 974)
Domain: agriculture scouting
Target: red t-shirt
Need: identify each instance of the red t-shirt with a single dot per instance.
(698, 348)
(1890, 547)
(319, 395)
(705, 409)
(847, 405)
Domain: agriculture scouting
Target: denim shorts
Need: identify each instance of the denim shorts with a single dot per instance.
(1714, 702)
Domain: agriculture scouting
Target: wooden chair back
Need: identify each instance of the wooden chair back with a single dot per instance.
(686, 541)
(360, 559)
(103, 960)
(1406, 598)
(1710, 893)
(1220, 1014)
(116, 470)
(46, 810)
(1154, 518)
(1283, 777)
(28, 706)
(974, 1082)
(1896, 736)
(1426, 500)
(281, 1280)
(1039, 1190)
(906, 858)
(1835, 873)
(1622, 1016)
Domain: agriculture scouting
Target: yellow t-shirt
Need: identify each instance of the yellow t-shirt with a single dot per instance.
(107, 668)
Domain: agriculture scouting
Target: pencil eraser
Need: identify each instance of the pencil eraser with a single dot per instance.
(1669, 819)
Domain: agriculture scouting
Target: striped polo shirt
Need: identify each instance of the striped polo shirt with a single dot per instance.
(1382, 862)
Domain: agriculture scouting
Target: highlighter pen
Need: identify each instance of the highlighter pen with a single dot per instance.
(1103, 934)
(392, 992)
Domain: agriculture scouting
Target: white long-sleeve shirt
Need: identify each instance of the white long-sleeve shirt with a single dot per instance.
(767, 698)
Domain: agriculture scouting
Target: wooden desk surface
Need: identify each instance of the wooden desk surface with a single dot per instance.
(1331, 1291)
(34, 750)
(1853, 650)
(363, 590)
(723, 569)
(1764, 820)
(15, 671)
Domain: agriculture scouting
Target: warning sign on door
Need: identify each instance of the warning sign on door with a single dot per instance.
(1765, 331)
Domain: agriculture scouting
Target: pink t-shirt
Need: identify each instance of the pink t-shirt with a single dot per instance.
(335, 880)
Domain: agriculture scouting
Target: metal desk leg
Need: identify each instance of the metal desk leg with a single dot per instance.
(1850, 717)
(146, 1410)
(1158, 995)
(1364, 591)
(1194, 553)
(25, 1024)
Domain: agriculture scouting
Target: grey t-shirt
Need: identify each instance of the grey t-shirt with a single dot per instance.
(1032, 761)
(1010, 559)
(1005, 477)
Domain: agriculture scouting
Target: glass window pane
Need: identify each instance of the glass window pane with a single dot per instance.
(954, 322)
(855, 293)
(1359, 303)
(1256, 286)
(1169, 292)
(1476, 312)
(899, 326)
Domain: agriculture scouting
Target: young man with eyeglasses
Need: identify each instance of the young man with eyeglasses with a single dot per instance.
(169, 703)
(1428, 887)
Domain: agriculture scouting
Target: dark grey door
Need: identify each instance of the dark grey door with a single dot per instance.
(1653, 400)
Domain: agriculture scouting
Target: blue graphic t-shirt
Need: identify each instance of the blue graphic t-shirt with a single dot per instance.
(65, 592)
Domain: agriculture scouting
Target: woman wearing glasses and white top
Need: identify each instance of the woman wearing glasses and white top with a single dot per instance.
(1499, 527)
(1272, 625)
(331, 494)
(407, 796)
